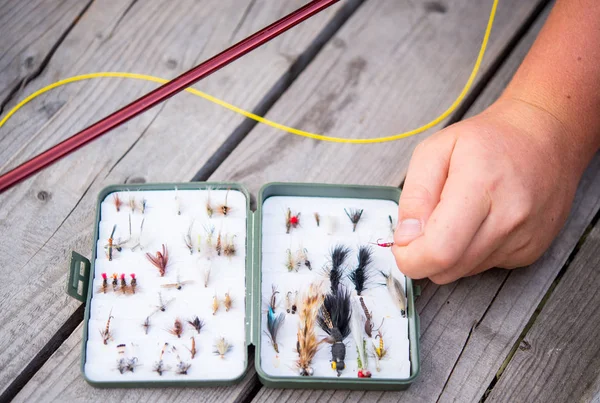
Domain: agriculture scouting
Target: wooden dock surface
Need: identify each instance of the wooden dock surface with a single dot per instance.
(363, 68)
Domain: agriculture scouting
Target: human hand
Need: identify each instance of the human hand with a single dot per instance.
(490, 191)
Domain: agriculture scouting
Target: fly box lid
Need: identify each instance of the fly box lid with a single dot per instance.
(184, 277)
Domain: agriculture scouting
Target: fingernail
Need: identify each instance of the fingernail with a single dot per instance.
(409, 228)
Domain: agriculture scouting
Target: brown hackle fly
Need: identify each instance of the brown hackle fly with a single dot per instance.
(160, 261)
(227, 302)
(117, 202)
(177, 328)
(159, 366)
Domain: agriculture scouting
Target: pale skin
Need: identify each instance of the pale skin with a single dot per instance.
(495, 190)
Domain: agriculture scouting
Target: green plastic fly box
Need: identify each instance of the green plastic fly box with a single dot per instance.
(184, 277)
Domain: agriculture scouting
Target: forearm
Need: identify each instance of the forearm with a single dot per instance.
(561, 75)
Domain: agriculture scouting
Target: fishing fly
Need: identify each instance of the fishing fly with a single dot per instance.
(291, 302)
(113, 245)
(379, 350)
(177, 202)
(318, 219)
(159, 366)
(357, 327)
(274, 323)
(361, 274)
(291, 220)
(105, 333)
(193, 348)
(396, 292)
(125, 364)
(117, 202)
(229, 247)
(369, 319)
(177, 328)
(196, 323)
(137, 241)
(215, 305)
(133, 283)
(178, 285)
(334, 318)
(115, 281)
(160, 261)
(182, 367)
(187, 238)
(335, 270)
(383, 244)
(273, 300)
(302, 258)
(209, 209)
(146, 325)
(219, 245)
(162, 305)
(224, 208)
(104, 286)
(307, 344)
(354, 215)
(227, 302)
(206, 273)
(290, 261)
(222, 347)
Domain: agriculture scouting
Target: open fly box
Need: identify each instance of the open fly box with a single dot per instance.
(184, 277)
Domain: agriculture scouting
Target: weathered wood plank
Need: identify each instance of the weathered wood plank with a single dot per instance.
(30, 31)
(559, 359)
(45, 217)
(394, 66)
(60, 379)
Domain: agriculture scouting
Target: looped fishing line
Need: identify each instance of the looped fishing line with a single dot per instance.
(276, 125)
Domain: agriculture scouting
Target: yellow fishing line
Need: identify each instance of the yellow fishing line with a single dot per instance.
(268, 122)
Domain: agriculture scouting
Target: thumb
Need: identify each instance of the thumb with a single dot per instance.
(425, 179)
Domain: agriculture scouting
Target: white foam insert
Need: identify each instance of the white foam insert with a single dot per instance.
(163, 225)
(319, 240)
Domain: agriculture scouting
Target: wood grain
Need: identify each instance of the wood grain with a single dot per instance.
(50, 214)
(30, 31)
(394, 66)
(559, 359)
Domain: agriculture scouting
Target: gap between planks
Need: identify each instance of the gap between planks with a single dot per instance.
(284, 82)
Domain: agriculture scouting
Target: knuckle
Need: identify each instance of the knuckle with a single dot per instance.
(443, 257)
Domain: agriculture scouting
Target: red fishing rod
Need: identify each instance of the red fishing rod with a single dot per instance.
(160, 94)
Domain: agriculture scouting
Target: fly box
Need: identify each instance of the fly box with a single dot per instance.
(184, 277)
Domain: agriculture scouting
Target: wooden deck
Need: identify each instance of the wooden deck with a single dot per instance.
(361, 68)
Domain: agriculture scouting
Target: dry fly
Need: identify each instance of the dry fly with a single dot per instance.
(160, 261)
(104, 286)
(193, 348)
(177, 328)
(302, 258)
(290, 261)
(133, 283)
(209, 209)
(222, 347)
(318, 219)
(291, 220)
(224, 208)
(113, 245)
(117, 202)
(106, 334)
(219, 245)
(138, 239)
(196, 323)
(123, 287)
(291, 302)
(187, 238)
(227, 302)
(182, 367)
(144, 205)
(162, 306)
(210, 231)
(396, 292)
(125, 364)
(229, 247)
(115, 281)
(146, 325)
(178, 285)
(354, 215)
(206, 272)
(159, 366)
(132, 204)
(215, 305)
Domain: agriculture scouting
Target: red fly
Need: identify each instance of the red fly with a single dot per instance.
(160, 261)
(383, 244)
